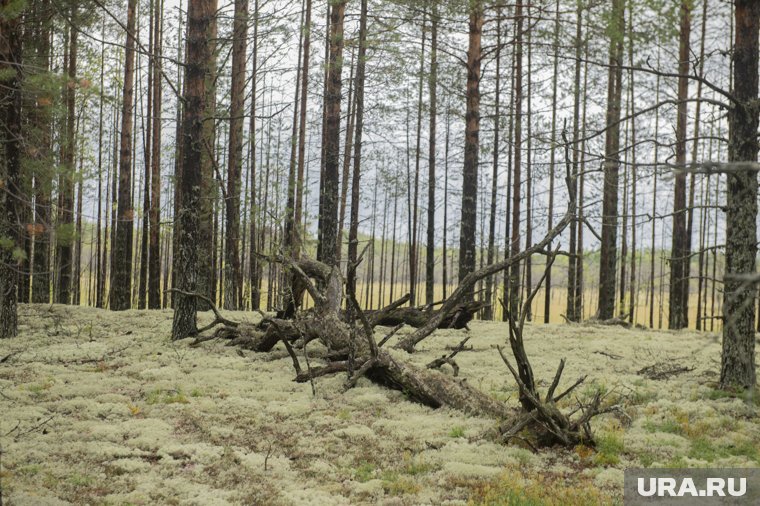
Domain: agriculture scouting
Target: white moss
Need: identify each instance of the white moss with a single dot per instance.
(138, 419)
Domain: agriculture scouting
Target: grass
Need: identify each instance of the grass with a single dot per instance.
(456, 431)
(158, 396)
(609, 446)
(513, 489)
(365, 472)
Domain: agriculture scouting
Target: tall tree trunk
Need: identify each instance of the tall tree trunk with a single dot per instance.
(353, 231)
(433, 91)
(679, 261)
(298, 214)
(253, 259)
(608, 255)
(233, 276)
(514, 271)
(633, 292)
(65, 231)
(101, 99)
(154, 246)
(43, 180)
(552, 160)
(471, 147)
(199, 58)
(142, 287)
(347, 148)
(10, 134)
(414, 211)
(207, 276)
(738, 358)
(571, 311)
(121, 279)
(331, 198)
(488, 310)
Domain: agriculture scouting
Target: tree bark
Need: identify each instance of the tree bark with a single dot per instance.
(232, 275)
(679, 261)
(353, 230)
(738, 358)
(121, 267)
(65, 230)
(11, 199)
(608, 254)
(154, 246)
(433, 91)
(199, 57)
(328, 218)
(471, 148)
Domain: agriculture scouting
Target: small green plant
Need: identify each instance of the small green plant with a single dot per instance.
(37, 389)
(81, 480)
(344, 414)
(169, 397)
(668, 425)
(196, 392)
(414, 467)
(364, 472)
(456, 431)
(609, 446)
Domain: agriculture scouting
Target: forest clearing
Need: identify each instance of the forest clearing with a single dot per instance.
(129, 419)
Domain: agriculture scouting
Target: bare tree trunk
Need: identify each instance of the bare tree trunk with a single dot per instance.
(572, 313)
(329, 214)
(99, 247)
(43, 180)
(199, 58)
(233, 277)
(254, 262)
(608, 255)
(514, 272)
(65, 232)
(433, 91)
(154, 246)
(679, 262)
(488, 310)
(738, 357)
(353, 232)
(472, 147)
(552, 160)
(121, 279)
(12, 199)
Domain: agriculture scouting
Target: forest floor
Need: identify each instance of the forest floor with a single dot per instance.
(101, 408)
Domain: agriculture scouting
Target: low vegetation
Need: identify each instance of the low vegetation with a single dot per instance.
(156, 424)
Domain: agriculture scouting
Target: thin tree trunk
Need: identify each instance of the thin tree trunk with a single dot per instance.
(43, 180)
(121, 279)
(154, 246)
(679, 262)
(353, 239)
(233, 275)
(572, 313)
(329, 213)
(472, 147)
(433, 91)
(608, 255)
(65, 231)
(488, 310)
(514, 271)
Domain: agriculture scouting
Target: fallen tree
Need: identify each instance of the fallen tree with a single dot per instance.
(353, 350)
(457, 318)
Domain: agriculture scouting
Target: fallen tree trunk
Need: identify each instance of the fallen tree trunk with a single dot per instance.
(416, 317)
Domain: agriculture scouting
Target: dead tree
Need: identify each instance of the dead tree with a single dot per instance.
(546, 424)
